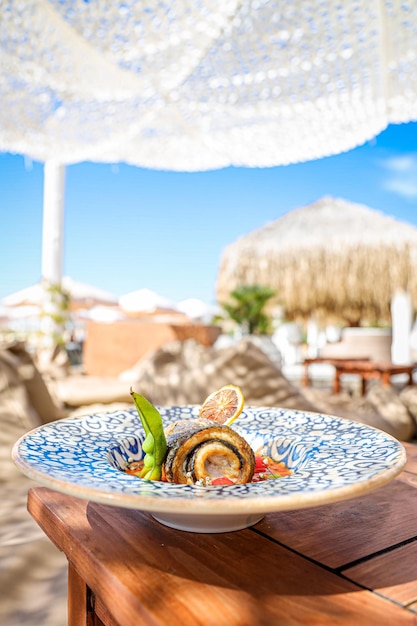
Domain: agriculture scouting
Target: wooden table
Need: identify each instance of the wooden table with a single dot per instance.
(305, 380)
(348, 563)
(368, 370)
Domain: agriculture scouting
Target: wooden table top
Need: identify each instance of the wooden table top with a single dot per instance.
(334, 359)
(371, 366)
(348, 563)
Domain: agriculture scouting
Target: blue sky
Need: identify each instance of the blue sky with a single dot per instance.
(128, 227)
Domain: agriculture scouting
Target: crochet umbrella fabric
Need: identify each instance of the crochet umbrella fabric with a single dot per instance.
(192, 86)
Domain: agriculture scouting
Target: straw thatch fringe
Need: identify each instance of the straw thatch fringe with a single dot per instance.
(345, 280)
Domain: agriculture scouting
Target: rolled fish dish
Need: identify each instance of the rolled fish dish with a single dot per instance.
(200, 451)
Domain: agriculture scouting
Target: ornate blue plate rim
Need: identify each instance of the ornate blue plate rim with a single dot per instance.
(333, 459)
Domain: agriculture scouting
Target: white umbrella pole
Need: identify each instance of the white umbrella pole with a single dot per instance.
(53, 222)
(401, 314)
(52, 323)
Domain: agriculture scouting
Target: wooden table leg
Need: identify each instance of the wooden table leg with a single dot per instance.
(77, 599)
(80, 605)
(84, 607)
(386, 378)
(336, 382)
(305, 381)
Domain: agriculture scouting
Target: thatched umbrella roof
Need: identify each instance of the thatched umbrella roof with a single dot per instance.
(339, 260)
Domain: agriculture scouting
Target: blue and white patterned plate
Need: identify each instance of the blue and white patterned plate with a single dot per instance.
(332, 459)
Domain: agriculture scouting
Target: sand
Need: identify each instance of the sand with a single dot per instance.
(33, 573)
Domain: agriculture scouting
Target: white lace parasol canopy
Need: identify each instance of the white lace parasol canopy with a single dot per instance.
(200, 84)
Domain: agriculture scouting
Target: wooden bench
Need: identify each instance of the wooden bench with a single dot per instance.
(368, 370)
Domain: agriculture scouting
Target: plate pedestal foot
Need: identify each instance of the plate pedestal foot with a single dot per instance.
(208, 523)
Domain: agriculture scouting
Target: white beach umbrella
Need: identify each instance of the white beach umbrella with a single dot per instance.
(105, 314)
(81, 294)
(145, 301)
(51, 308)
(192, 86)
(27, 296)
(197, 309)
(202, 85)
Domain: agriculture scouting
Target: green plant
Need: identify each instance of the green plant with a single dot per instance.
(55, 313)
(248, 309)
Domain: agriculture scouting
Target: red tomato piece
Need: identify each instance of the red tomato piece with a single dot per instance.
(222, 481)
(260, 464)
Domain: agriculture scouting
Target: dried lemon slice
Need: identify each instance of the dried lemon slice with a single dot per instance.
(224, 405)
